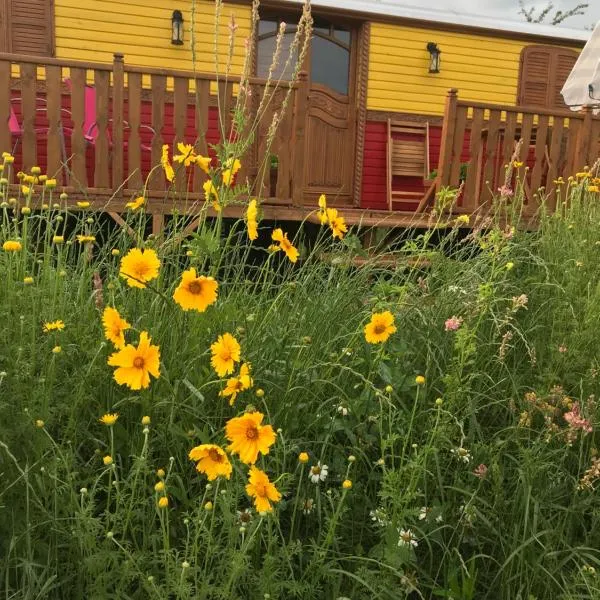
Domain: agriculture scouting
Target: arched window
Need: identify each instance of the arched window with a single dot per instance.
(543, 72)
(329, 53)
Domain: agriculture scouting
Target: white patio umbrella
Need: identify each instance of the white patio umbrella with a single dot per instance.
(582, 87)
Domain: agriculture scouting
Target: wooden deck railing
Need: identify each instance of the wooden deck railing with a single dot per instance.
(479, 140)
(101, 127)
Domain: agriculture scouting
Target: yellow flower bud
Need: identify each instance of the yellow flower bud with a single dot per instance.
(303, 457)
(347, 484)
(107, 460)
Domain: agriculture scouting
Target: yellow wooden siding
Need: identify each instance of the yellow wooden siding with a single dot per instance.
(483, 69)
(141, 30)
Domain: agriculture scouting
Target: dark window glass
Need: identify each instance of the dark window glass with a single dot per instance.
(265, 54)
(330, 64)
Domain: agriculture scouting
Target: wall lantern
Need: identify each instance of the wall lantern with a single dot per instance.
(434, 57)
(177, 28)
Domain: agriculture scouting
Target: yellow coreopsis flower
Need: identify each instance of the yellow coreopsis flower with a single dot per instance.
(593, 188)
(163, 502)
(84, 204)
(337, 223)
(139, 266)
(248, 437)
(137, 203)
(114, 326)
(380, 327)
(187, 154)
(251, 223)
(86, 239)
(262, 490)
(12, 246)
(26, 190)
(238, 384)
(109, 419)
(232, 166)
(284, 243)
(51, 184)
(195, 292)
(323, 209)
(204, 163)
(225, 353)
(211, 193)
(57, 325)
(583, 174)
(166, 164)
(135, 365)
(211, 460)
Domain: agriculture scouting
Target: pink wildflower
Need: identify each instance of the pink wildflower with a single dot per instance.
(480, 471)
(576, 421)
(453, 323)
(506, 191)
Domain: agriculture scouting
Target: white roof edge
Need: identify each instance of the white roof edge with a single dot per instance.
(446, 17)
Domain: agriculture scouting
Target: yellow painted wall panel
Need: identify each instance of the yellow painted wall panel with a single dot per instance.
(482, 68)
(141, 30)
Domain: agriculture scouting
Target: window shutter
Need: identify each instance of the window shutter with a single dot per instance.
(544, 70)
(564, 62)
(535, 74)
(30, 26)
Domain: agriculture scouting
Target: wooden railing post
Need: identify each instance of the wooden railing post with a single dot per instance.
(5, 141)
(582, 144)
(300, 109)
(447, 143)
(117, 121)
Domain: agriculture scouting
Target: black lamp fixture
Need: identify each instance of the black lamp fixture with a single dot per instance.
(177, 28)
(434, 57)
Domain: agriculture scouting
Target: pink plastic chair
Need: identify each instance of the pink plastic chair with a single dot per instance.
(90, 125)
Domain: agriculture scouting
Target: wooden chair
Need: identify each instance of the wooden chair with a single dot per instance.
(407, 156)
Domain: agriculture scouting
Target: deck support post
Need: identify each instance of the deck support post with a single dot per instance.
(300, 109)
(117, 121)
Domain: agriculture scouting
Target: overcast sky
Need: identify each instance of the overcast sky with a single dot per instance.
(509, 9)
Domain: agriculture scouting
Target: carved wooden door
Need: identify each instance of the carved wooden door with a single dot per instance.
(331, 114)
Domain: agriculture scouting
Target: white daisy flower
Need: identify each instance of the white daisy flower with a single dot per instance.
(307, 506)
(462, 454)
(343, 410)
(407, 538)
(318, 472)
(379, 517)
(424, 513)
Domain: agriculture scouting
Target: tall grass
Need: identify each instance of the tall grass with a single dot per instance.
(461, 455)
(476, 462)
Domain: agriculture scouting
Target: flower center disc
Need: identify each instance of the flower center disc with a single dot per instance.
(215, 456)
(379, 329)
(251, 433)
(195, 287)
(138, 362)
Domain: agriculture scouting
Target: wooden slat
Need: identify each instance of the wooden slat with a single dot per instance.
(225, 92)
(471, 189)
(118, 138)
(28, 108)
(572, 134)
(78, 143)
(134, 146)
(582, 146)
(525, 138)
(158, 87)
(508, 140)
(556, 145)
(180, 103)
(491, 152)
(540, 153)
(101, 144)
(594, 151)
(202, 100)
(284, 168)
(55, 139)
(300, 109)
(459, 140)
(6, 144)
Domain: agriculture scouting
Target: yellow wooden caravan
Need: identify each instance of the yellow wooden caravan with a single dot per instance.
(392, 102)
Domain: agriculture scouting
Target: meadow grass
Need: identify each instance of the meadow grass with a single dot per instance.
(466, 439)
